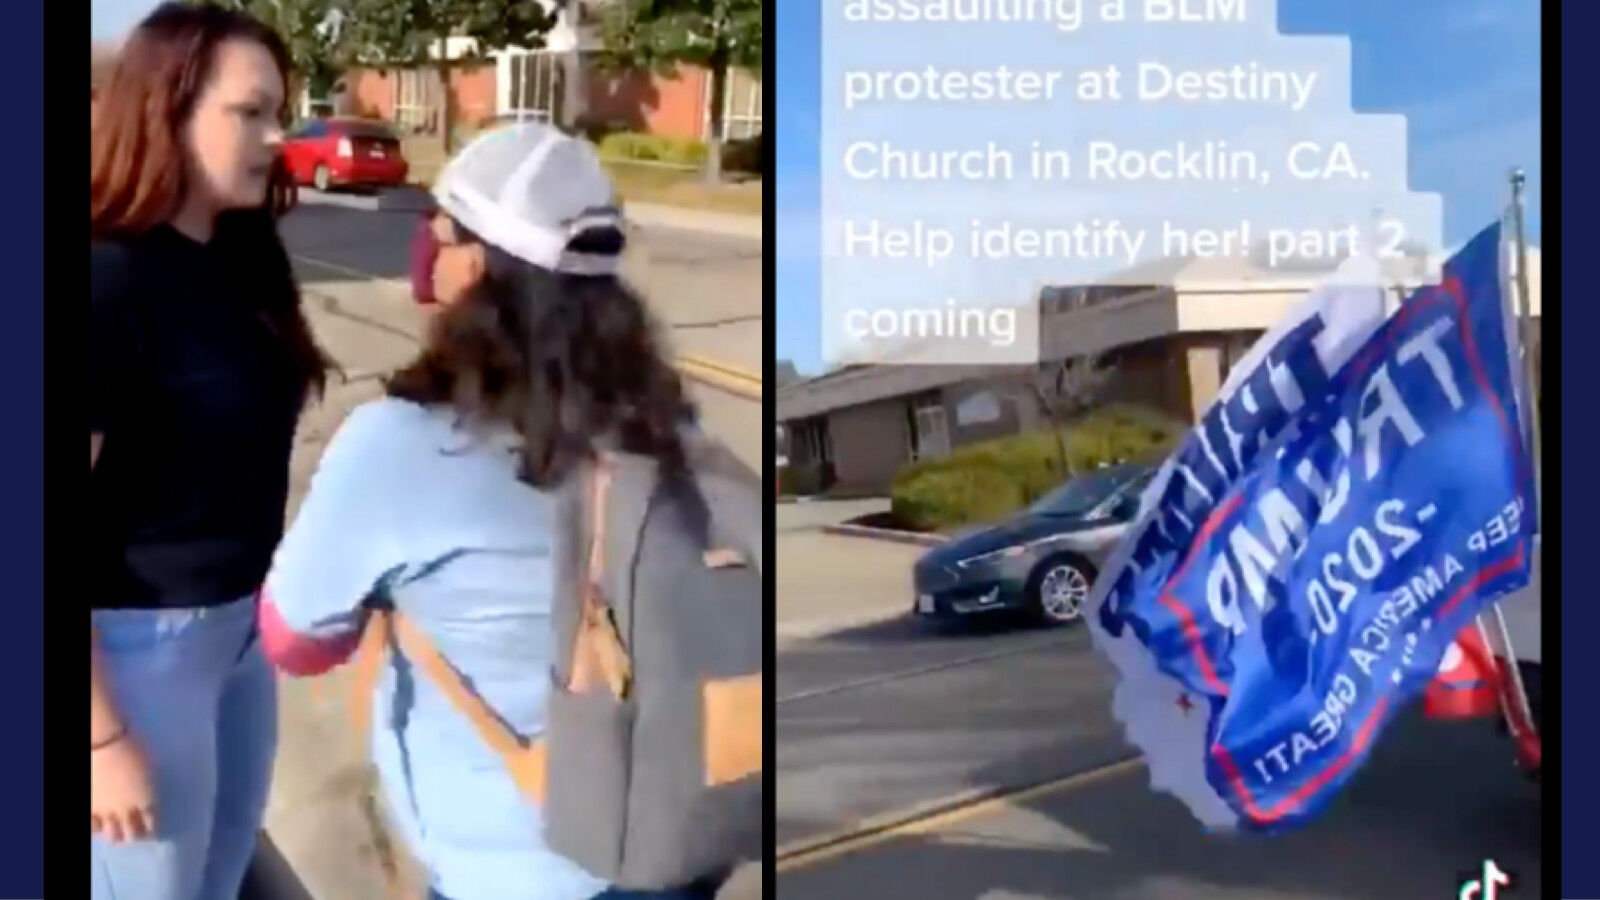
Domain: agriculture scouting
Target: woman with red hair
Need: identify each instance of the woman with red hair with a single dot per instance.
(200, 361)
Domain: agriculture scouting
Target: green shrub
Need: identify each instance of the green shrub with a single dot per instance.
(989, 480)
(633, 146)
(624, 145)
(941, 499)
(800, 480)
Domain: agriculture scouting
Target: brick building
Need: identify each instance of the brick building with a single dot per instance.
(534, 84)
(530, 84)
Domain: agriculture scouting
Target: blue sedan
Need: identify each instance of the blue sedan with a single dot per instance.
(1040, 562)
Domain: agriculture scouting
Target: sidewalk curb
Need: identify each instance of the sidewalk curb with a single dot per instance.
(732, 379)
(414, 199)
(886, 534)
(724, 367)
(722, 375)
(655, 215)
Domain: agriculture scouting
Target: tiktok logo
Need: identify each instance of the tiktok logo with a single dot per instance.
(1488, 887)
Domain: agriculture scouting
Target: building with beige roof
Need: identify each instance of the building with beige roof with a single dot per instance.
(1168, 346)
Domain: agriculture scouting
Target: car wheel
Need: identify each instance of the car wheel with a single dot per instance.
(320, 178)
(1059, 589)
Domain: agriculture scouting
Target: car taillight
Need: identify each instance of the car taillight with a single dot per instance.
(345, 149)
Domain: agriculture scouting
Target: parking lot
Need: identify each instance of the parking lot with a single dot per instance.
(894, 741)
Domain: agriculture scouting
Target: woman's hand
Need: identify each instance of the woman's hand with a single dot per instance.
(122, 799)
(121, 794)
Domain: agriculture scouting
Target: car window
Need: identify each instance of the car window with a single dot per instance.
(1125, 506)
(1078, 495)
(311, 130)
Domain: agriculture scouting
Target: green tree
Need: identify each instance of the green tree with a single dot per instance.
(412, 33)
(311, 30)
(663, 34)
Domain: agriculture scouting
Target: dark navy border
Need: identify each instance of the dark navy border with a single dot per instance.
(47, 290)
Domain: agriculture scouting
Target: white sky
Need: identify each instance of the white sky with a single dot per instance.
(111, 18)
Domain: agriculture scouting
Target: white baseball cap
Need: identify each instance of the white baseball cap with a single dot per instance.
(528, 189)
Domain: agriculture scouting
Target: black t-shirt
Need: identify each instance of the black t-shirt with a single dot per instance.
(197, 403)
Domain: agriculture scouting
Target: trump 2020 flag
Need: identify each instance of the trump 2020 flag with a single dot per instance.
(1358, 492)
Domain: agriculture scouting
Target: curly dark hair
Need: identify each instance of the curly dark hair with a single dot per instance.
(569, 361)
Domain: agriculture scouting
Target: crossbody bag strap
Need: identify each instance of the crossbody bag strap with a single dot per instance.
(525, 760)
(366, 666)
(598, 652)
(417, 648)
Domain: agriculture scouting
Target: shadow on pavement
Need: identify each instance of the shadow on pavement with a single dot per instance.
(270, 877)
(336, 236)
(1432, 803)
(865, 660)
(938, 725)
(910, 628)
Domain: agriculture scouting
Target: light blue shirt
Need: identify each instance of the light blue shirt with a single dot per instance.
(407, 506)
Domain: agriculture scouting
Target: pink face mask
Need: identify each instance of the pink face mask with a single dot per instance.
(424, 250)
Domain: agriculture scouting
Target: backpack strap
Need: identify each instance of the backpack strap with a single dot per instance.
(524, 759)
(597, 647)
(366, 666)
(599, 492)
(598, 651)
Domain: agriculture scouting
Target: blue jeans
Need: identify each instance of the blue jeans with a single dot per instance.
(201, 699)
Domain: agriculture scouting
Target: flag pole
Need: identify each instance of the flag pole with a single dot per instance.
(1394, 296)
(1530, 418)
(1520, 721)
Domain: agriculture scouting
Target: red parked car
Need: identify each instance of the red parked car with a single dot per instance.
(344, 152)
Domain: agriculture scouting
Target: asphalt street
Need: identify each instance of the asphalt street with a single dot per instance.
(885, 718)
(705, 287)
(889, 718)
